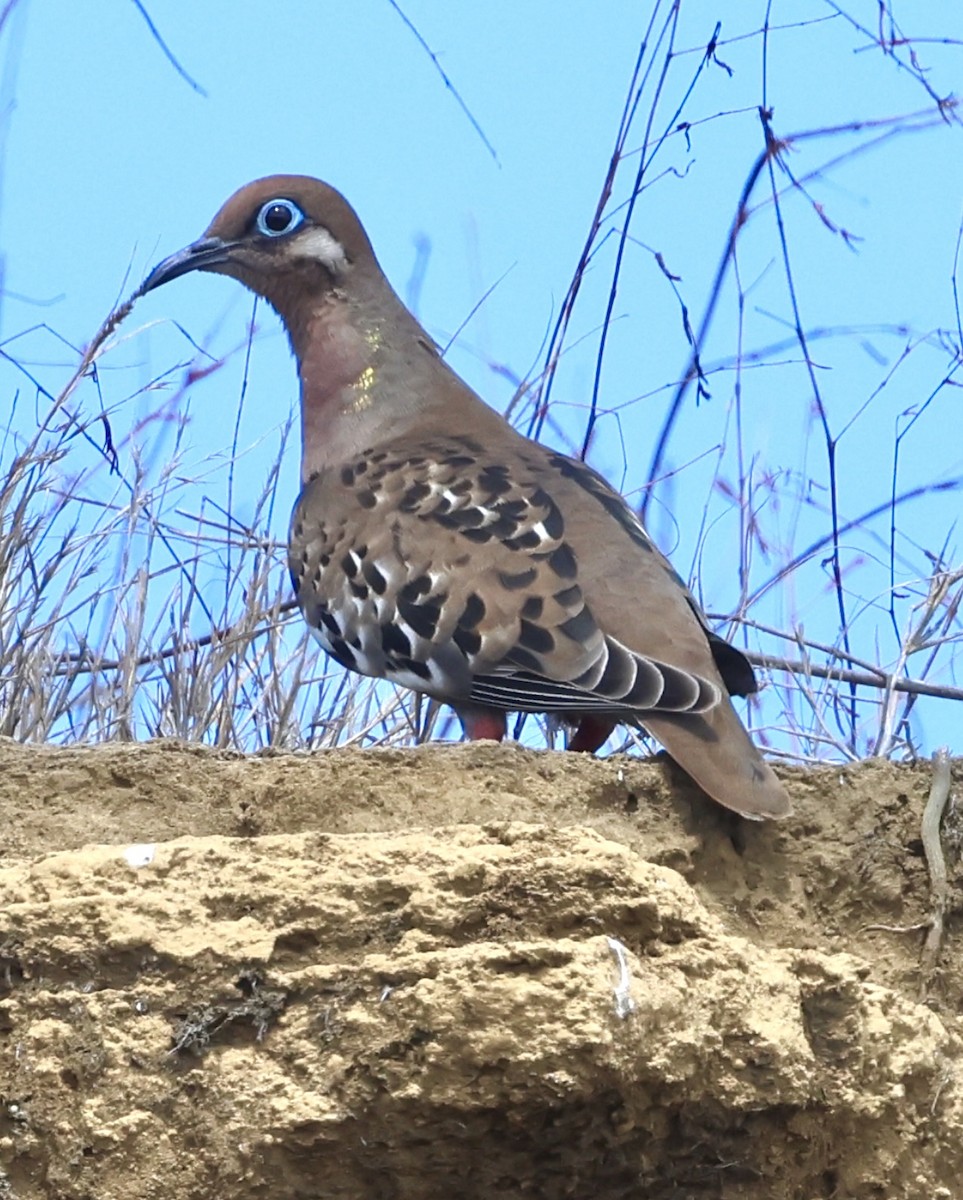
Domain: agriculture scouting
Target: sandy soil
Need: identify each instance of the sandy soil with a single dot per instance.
(467, 972)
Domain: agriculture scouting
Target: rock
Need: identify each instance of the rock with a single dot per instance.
(491, 1008)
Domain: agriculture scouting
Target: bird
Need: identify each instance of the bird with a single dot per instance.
(434, 545)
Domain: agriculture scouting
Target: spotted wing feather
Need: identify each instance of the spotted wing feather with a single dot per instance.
(437, 566)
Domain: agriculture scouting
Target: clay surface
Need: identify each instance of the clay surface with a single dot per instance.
(466, 972)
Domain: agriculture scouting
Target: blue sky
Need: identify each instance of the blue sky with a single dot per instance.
(111, 160)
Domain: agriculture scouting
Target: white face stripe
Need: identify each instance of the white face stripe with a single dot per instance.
(318, 243)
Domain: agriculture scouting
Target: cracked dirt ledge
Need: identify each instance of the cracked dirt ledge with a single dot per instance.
(395, 974)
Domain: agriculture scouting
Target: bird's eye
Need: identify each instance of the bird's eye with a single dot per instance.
(279, 217)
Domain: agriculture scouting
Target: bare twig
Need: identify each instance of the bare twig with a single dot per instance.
(883, 681)
(448, 83)
(166, 50)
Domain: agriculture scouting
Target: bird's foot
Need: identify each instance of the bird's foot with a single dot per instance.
(483, 726)
(590, 733)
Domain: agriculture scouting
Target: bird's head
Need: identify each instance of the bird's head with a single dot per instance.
(286, 237)
(365, 365)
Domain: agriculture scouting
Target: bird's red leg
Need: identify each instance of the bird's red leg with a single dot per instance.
(590, 733)
(483, 724)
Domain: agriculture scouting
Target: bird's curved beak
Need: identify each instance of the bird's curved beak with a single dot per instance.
(204, 255)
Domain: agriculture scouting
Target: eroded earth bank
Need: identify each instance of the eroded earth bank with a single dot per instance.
(467, 972)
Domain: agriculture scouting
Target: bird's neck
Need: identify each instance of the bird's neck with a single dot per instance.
(369, 373)
(337, 359)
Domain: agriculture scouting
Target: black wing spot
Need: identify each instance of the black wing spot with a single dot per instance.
(330, 622)
(376, 580)
(412, 496)
(513, 582)
(394, 640)
(580, 627)
(349, 566)
(553, 521)
(366, 498)
(415, 588)
(531, 539)
(532, 608)
(467, 641)
(422, 618)
(416, 668)
(593, 483)
(503, 528)
(534, 637)
(514, 510)
(569, 597)
(347, 476)
(463, 518)
(479, 536)
(340, 650)
(474, 612)
(562, 561)
(494, 481)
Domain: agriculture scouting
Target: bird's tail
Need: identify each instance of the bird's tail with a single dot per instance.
(715, 749)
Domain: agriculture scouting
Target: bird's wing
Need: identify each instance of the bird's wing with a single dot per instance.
(510, 578)
(637, 597)
(447, 566)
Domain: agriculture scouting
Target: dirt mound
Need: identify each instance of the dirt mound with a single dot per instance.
(475, 971)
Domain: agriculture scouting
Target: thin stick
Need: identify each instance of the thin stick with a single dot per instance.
(883, 680)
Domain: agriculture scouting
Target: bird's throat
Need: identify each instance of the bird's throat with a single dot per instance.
(338, 366)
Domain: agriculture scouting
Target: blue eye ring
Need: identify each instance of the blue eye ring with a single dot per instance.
(278, 217)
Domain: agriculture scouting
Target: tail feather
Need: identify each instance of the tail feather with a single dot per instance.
(715, 749)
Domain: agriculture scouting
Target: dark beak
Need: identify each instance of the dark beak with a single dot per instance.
(205, 255)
